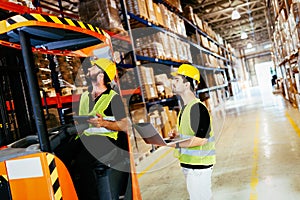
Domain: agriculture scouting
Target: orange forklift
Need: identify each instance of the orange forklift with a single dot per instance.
(29, 167)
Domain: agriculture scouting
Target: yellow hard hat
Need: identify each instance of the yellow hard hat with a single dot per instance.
(107, 65)
(189, 71)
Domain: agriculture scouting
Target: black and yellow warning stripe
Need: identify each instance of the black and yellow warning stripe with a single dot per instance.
(34, 19)
(54, 177)
(4, 177)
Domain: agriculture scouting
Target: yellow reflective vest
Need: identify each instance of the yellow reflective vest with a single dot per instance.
(199, 155)
(99, 107)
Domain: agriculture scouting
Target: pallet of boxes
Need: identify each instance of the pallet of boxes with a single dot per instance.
(103, 14)
(139, 112)
(148, 85)
(163, 121)
(140, 149)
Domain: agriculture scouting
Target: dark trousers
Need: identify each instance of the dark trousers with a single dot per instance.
(97, 181)
(92, 179)
(101, 183)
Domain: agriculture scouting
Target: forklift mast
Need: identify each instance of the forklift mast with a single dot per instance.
(28, 168)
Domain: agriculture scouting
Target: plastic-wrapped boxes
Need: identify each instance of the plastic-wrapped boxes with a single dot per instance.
(101, 13)
(137, 8)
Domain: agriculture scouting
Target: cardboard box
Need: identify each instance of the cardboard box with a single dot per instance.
(147, 75)
(166, 128)
(150, 91)
(198, 22)
(175, 4)
(178, 22)
(173, 118)
(166, 15)
(173, 47)
(163, 38)
(189, 14)
(204, 42)
(138, 8)
(101, 13)
(150, 11)
(139, 115)
(155, 119)
(158, 15)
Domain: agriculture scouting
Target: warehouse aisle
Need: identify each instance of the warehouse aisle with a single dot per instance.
(258, 153)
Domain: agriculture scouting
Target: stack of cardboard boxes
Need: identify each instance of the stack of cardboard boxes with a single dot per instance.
(160, 117)
(163, 119)
(157, 14)
(70, 75)
(101, 13)
(286, 39)
(163, 46)
(148, 83)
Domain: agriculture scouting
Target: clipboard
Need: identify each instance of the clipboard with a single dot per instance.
(82, 119)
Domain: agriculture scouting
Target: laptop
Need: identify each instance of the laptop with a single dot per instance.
(152, 136)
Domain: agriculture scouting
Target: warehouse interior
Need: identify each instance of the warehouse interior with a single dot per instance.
(245, 50)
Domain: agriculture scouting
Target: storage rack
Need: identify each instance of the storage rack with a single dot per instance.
(226, 56)
(191, 27)
(173, 102)
(286, 48)
(129, 17)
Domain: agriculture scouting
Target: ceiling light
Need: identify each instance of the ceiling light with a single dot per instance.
(244, 35)
(249, 45)
(235, 15)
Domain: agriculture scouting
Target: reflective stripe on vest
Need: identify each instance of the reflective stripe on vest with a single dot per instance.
(210, 139)
(199, 155)
(100, 106)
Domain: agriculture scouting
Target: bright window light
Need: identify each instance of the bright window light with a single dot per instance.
(244, 35)
(267, 46)
(250, 50)
(235, 15)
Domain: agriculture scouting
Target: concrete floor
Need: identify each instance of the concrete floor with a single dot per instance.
(258, 153)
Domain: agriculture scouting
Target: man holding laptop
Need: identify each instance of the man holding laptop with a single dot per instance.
(196, 155)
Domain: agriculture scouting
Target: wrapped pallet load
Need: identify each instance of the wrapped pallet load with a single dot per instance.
(101, 13)
(174, 4)
(158, 14)
(151, 12)
(148, 83)
(137, 8)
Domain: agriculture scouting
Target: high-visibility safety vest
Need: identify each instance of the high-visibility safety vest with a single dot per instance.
(99, 107)
(198, 155)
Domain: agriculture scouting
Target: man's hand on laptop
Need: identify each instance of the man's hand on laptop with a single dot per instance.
(173, 133)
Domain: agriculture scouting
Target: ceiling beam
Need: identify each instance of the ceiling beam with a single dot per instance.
(241, 13)
(229, 9)
(237, 35)
(210, 4)
(231, 32)
(237, 29)
(231, 23)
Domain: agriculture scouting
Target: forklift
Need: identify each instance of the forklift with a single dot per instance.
(29, 167)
